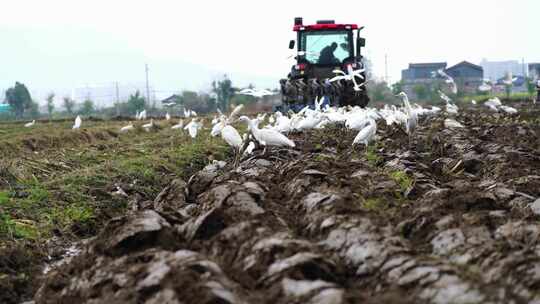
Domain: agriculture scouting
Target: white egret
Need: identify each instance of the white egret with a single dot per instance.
(30, 124)
(509, 110)
(193, 127)
(235, 112)
(142, 115)
(484, 87)
(271, 119)
(231, 136)
(167, 116)
(179, 125)
(452, 109)
(366, 134)
(412, 118)
(357, 122)
(444, 97)
(495, 101)
(473, 102)
(267, 137)
(216, 129)
(350, 76)
(149, 125)
(509, 80)
(449, 80)
(249, 149)
(309, 122)
(255, 92)
(127, 128)
(78, 122)
(283, 123)
(493, 104)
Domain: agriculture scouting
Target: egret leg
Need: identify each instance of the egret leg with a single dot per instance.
(236, 161)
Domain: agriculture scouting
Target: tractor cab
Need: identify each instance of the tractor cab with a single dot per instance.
(325, 46)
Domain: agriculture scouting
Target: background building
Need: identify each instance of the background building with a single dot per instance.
(467, 76)
(418, 80)
(534, 70)
(498, 69)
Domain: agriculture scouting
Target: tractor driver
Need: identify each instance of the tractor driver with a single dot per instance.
(327, 55)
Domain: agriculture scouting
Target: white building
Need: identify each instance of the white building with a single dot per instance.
(494, 70)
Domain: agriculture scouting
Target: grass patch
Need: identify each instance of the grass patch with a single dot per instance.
(372, 156)
(67, 189)
(374, 204)
(4, 197)
(17, 229)
(402, 179)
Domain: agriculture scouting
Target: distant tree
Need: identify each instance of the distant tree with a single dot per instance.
(136, 103)
(242, 99)
(508, 90)
(224, 91)
(379, 91)
(87, 107)
(421, 91)
(19, 99)
(531, 86)
(34, 109)
(368, 66)
(69, 104)
(50, 104)
(190, 99)
(397, 87)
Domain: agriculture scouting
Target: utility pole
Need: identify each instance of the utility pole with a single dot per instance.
(386, 68)
(117, 100)
(147, 85)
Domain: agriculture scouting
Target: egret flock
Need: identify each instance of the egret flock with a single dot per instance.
(275, 131)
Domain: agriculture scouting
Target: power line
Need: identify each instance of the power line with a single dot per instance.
(386, 68)
(147, 85)
(117, 100)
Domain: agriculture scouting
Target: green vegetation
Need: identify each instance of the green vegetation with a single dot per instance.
(224, 91)
(50, 104)
(374, 204)
(402, 179)
(18, 97)
(87, 107)
(69, 104)
(66, 188)
(372, 156)
(136, 103)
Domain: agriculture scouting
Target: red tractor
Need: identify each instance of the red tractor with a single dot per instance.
(321, 49)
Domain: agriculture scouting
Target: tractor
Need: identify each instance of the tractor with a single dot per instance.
(323, 48)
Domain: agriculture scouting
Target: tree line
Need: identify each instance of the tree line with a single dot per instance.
(222, 94)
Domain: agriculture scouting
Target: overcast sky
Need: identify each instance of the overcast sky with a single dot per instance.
(57, 44)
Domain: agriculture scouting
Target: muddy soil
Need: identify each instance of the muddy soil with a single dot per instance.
(451, 216)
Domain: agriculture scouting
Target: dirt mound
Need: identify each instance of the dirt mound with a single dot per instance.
(450, 217)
